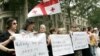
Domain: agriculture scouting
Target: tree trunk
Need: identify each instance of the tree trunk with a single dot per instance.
(25, 9)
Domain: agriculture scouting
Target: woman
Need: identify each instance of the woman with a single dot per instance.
(52, 31)
(88, 51)
(42, 28)
(63, 31)
(93, 42)
(74, 28)
(28, 26)
(5, 37)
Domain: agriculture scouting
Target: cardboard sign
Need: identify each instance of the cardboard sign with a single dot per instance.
(32, 45)
(61, 45)
(80, 40)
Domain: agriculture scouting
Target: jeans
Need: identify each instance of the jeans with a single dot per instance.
(93, 49)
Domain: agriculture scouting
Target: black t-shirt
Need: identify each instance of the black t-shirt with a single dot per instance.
(3, 37)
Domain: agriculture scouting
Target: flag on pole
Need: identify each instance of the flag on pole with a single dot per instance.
(47, 7)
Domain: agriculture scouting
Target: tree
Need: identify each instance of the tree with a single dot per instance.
(94, 18)
(80, 8)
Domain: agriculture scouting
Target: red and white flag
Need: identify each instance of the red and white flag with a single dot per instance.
(53, 9)
(37, 11)
(47, 7)
(46, 0)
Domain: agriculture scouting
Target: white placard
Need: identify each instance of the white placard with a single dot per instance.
(31, 46)
(80, 40)
(61, 45)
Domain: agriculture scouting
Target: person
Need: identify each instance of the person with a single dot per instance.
(89, 32)
(28, 26)
(84, 29)
(5, 37)
(52, 31)
(93, 42)
(63, 31)
(75, 28)
(96, 31)
(86, 52)
(42, 28)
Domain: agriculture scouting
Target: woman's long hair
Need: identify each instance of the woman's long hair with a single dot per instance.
(27, 23)
(9, 22)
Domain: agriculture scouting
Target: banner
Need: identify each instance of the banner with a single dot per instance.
(32, 45)
(61, 45)
(80, 40)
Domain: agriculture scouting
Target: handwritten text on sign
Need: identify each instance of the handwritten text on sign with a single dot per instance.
(61, 45)
(80, 40)
(34, 46)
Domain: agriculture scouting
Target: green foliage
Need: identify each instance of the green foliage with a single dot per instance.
(85, 9)
(95, 18)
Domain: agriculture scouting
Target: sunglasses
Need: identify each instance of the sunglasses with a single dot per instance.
(14, 23)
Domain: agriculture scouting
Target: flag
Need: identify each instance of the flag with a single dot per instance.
(46, 0)
(47, 7)
(53, 9)
(37, 11)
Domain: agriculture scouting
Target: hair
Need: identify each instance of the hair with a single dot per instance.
(52, 30)
(43, 25)
(93, 31)
(9, 22)
(28, 22)
(61, 31)
(89, 28)
(74, 26)
(77, 29)
(84, 29)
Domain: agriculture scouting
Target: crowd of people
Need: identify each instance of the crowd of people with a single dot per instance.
(7, 45)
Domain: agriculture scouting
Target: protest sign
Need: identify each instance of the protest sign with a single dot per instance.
(80, 40)
(31, 46)
(61, 45)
